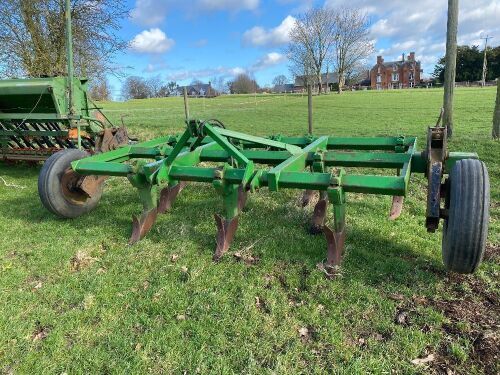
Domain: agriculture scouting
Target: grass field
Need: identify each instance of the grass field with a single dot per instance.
(76, 299)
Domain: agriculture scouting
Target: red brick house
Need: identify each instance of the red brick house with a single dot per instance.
(402, 74)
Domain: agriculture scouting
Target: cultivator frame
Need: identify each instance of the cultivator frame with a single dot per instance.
(160, 168)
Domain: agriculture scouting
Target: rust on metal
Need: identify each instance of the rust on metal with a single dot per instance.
(225, 234)
(142, 225)
(307, 196)
(77, 188)
(168, 196)
(319, 217)
(111, 138)
(242, 197)
(396, 208)
(90, 185)
(335, 242)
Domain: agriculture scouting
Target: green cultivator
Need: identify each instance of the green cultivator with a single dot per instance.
(240, 163)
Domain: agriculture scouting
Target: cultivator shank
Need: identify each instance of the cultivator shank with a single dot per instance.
(161, 168)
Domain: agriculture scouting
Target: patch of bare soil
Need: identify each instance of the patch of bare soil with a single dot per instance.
(492, 252)
(473, 315)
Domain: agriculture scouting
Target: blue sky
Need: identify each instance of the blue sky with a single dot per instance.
(203, 39)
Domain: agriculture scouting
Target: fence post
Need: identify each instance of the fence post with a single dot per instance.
(450, 64)
(309, 109)
(496, 115)
(186, 105)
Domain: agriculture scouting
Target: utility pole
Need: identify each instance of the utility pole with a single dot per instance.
(485, 62)
(450, 64)
(496, 115)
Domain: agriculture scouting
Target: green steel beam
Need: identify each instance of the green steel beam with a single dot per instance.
(259, 140)
(217, 135)
(295, 163)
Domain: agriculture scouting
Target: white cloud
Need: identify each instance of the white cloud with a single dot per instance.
(421, 26)
(231, 5)
(258, 36)
(270, 59)
(267, 61)
(149, 12)
(151, 41)
(153, 12)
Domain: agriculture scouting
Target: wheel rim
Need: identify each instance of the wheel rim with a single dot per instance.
(70, 187)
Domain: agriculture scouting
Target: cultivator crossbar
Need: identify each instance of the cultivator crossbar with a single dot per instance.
(160, 168)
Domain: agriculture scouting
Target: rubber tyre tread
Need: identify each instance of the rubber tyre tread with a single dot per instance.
(49, 186)
(466, 228)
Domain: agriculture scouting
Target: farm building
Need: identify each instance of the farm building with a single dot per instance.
(402, 74)
(199, 90)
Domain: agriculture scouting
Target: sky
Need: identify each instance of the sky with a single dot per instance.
(203, 39)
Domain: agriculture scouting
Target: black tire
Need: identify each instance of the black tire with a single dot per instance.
(50, 186)
(466, 227)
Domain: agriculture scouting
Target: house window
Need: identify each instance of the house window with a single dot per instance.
(394, 67)
(395, 77)
(412, 76)
(379, 87)
(412, 84)
(379, 78)
(378, 70)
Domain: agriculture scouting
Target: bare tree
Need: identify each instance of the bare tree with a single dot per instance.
(135, 88)
(280, 80)
(244, 84)
(219, 84)
(32, 37)
(155, 85)
(352, 43)
(100, 90)
(301, 65)
(312, 39)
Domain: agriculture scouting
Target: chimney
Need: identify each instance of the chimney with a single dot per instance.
(380, 60)
(412, 56)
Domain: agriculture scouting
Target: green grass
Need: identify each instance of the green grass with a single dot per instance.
(76, 299)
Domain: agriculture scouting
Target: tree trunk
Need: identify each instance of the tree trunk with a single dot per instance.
(341, 82)
(496, 115)
(319, 83)
(450, 64)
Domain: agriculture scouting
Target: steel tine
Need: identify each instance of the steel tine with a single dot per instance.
(335, 242)
(225, 235)
(396, 208)
(142, 225)
(168, 196)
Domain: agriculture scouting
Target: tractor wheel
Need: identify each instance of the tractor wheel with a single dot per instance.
(466, 226)
(59, 186)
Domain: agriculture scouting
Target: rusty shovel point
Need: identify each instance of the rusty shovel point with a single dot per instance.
(225, 234)
(168, 196)
(307, 196)
(319, 217)
(142, 225)
(396, 208)
(335, 242)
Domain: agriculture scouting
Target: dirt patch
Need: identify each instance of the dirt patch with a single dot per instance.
(492, 252)
(474, 316)
(80, 261)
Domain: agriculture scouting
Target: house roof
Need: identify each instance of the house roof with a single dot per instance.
(197, 89)
(285, 87)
